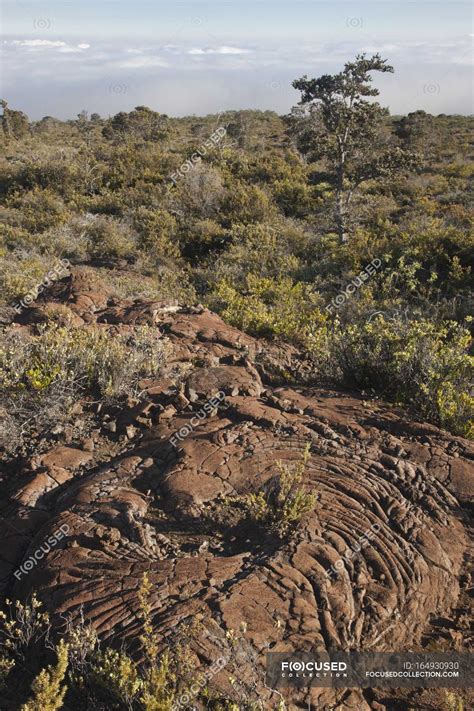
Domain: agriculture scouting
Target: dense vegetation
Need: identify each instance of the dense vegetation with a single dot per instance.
(251, 225)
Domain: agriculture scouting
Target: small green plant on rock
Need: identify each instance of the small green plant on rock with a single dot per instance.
(281, 506)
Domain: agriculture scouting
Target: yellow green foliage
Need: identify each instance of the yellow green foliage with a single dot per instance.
(156, 230)
(153, 684)
(295, 197)
(24, 625)
(19, 277)
(118, 674)
(81, 358)
(159, 681)
(248, 203)
(261, 250)
(284, 502)
(108, 238)
(422, 364)
(452, 701)
(273, 307)
(248, 230)
(38, 210)
(48, 689)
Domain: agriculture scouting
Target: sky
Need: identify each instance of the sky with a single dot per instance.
(196, 57)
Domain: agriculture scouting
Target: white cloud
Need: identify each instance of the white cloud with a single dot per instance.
(218, 50)
(39, 43)
(44, 44)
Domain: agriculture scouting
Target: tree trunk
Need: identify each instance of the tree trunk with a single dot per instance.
(340, 206)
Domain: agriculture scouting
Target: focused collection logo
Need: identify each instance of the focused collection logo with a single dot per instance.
(313, 668)
(342, 670)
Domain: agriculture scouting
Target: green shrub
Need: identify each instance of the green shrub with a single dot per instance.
(199, 238)
(273, 307)
(263, 250)
(23, 627)
(282, 504)
(48, 688)
(42, 376)
(156, 232)
(453, 701)
(22, 274)
(150, 281)
(38, 210)
(295, 198)
(422, 364)
(90, 359)
(109, 238)
(247, 204)
(151, 686)
(141, 124)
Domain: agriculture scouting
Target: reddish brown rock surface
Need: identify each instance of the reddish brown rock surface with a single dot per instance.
(160, 508)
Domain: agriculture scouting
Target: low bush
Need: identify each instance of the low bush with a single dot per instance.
(37, 210)
(272, 251)
(273, 307)
(281, 505)
(48, 687)
(43, 375)
(21, 274)
(422, 364)
(106, 237)
(157, 231)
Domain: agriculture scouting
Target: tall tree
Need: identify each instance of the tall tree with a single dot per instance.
(335, 121)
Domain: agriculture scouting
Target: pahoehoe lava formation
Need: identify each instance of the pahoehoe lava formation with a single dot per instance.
(158, 508)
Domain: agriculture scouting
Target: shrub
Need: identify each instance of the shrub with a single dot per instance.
(247, 204)
(201, 237)
(108, 238)
(199, 193)
(38, 210)
(262, 250)
(43, 375)
(23, 627)
(294, 198)
(282, 504)
(453, 701)
(6, 665)
(87, 358)
(161, 681)
(150, 281)
(151, 687)
(273, 307)
(22, 274)
(48, 688)
(141, 124)
(419, 363)
(156, 230)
